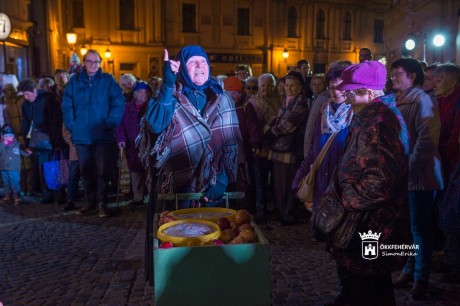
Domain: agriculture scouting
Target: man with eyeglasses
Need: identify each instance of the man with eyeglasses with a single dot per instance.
(422, 119)
(92, 107)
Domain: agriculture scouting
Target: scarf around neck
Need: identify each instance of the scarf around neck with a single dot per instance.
(334, 122)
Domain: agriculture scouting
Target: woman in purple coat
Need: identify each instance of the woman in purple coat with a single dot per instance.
(126, 135)
(335, 117)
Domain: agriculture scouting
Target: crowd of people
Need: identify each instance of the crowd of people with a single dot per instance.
(388, 143)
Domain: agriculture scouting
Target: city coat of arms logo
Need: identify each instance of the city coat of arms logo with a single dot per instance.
(370, 245)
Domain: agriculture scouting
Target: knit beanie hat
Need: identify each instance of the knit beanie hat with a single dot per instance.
(7, 130)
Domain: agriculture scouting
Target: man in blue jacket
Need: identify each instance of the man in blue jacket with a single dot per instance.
(92, 106)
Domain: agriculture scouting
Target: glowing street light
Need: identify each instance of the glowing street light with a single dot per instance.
(72, 38)
(410, 44)
(439, 40)
(285, 53)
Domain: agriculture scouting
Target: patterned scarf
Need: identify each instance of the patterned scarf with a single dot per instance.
(194, 148)
(334, 122)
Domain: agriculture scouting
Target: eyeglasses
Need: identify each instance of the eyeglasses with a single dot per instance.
(351, 94)
(396, 74)
(251, 88)
(88, 62)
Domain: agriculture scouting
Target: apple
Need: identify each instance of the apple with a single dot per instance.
(227, 235)
(166, 245)
(223, 223)
(168, 219)
(238, 240)
(217, 242)
(164, 213)
(245, 226)
(248, 235)
(242, 216)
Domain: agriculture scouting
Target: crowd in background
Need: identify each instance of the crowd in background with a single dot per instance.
(406, 144)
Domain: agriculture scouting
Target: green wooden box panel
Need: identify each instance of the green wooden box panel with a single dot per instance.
(233, 275)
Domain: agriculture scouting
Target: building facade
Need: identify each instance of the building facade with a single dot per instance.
(131, 35)
(15, 54)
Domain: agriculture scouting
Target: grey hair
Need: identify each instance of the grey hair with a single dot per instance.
(267, 76)
(129, 77)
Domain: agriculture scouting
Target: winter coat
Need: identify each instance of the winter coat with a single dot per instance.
(266, 110)
(10, 156)
(92, 107)
(372, 179)
(286, 131)
(251, 132)
(45, 114)
(3, 113)
(128, 131)
(449, 113)
(14, 112)
(313, 117)
(330, 161)
(422, 120)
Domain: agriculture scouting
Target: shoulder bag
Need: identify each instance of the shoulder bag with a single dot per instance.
(307, 184)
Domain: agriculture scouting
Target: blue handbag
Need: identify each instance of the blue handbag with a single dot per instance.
(56, 171)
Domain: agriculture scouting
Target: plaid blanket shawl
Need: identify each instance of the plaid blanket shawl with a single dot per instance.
(194, 148)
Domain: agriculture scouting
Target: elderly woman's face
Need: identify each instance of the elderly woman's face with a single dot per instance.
(198, 69)
(251, 88)
(337, 96)
(317, 86)
(292, 87)
(141, 96)
(443, 85)
(266, 87)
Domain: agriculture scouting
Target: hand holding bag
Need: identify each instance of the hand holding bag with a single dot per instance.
(307, 184)
(39, 140)
(330, 211)
(332, 220)
(57, 171)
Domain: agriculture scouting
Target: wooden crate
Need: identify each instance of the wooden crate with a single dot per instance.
(233, 275)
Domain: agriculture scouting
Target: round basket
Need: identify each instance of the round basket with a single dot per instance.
(188, 238)
(204, 213)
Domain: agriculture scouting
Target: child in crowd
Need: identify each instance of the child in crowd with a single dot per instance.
(10, 165)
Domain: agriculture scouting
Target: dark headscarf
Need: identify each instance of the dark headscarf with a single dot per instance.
(183, 56)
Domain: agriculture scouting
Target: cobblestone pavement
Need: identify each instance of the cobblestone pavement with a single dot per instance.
(51, 257)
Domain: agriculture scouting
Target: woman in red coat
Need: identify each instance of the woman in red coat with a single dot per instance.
(126, 135)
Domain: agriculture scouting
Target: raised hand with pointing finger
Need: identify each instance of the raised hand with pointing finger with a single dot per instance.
(170, 70)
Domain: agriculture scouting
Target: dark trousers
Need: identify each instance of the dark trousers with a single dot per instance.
(375, 290)
(95, 170)
(283, 174)
(74, 177)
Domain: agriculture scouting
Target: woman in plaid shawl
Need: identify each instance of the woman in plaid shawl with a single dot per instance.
(196, 129)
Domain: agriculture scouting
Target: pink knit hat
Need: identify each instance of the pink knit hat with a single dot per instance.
(368, 74)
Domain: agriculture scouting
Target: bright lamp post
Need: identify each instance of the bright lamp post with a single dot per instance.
(411, 43)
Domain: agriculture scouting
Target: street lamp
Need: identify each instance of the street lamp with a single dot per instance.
(439, 40)
(410, 44)
(108, 55)
(72, 38)
(83, 50)
(285, 53)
